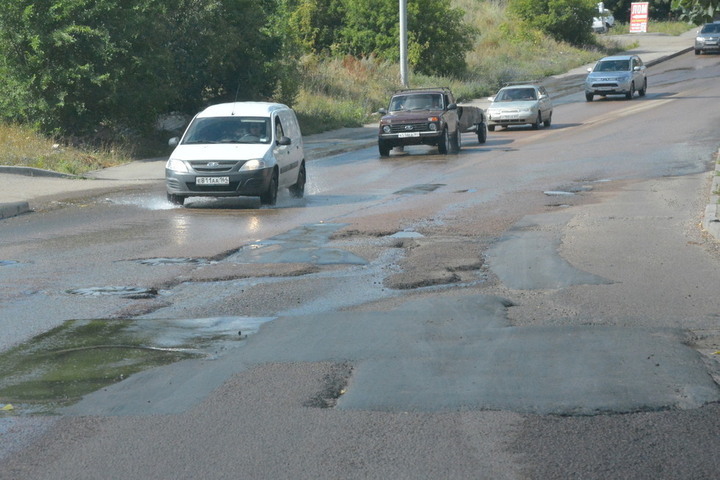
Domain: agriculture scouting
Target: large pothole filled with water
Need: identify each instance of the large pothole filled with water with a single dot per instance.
(59, 367)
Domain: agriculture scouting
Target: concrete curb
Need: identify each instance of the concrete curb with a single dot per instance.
(711, 220)
(667, 57)
(13, 209)
(33, 172)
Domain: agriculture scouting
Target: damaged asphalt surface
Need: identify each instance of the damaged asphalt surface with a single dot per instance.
(445, 355)
(319, 394)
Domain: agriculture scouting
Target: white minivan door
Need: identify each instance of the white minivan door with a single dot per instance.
(286, 155)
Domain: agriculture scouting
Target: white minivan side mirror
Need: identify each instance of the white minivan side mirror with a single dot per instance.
(284, 141)
(173, 142)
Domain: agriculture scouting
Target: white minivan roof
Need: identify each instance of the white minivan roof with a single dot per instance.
(244, 109)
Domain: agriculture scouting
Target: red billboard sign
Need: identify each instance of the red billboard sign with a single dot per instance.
(639, 17)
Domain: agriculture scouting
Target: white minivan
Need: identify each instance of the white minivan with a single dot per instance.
(237, 149)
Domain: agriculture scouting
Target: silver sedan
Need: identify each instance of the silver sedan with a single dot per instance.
(520, 105)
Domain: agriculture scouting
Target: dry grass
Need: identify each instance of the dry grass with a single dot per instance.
(22, 146)
(667, 28)
(506, 51)
(342, 92)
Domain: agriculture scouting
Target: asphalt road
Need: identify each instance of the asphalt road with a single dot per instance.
(541, 306)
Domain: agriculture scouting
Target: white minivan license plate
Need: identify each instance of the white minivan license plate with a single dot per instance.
(212, 180)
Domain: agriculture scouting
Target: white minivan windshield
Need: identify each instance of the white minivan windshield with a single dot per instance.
(228, 130)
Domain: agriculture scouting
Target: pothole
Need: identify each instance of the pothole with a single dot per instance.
(400, 282)
(220, 272)
(300, 245)
(173, 261)
(707, 343)
(420, 189)
(569, 190)
(433, 262)
(334, 386)
(121, 291)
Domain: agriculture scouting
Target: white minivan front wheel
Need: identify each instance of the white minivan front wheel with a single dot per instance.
(298, 189)
(269, 196)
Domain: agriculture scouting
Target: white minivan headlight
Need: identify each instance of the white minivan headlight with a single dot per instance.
(176, 165)
(254, 164)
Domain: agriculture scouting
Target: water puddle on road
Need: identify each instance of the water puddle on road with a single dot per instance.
(59, 367)
(143, 201)
(557, 193)
(299, 245)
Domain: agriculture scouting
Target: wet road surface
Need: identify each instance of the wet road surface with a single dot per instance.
(429, 316)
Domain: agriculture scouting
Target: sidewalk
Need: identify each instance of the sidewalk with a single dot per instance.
(24, 187)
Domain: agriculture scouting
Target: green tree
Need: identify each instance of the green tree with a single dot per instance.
(697, 11)
(70, 66)
(312, 24)
(564, 20)
(437, 36)
(223, 50)
(53, 59)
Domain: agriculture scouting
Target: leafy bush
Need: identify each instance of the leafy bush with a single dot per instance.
(564, 20)
(437, 34)
(70, 67)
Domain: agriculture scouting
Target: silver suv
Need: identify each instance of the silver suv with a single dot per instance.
(619, 75)
(708, 38)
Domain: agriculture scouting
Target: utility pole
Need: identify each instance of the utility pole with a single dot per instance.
(403, 44)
